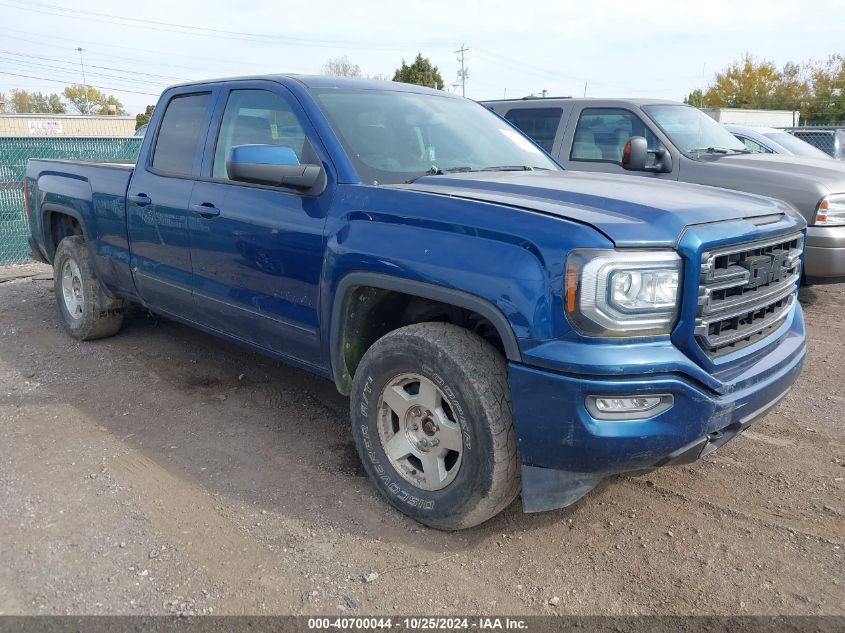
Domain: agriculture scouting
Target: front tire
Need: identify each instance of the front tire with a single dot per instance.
(79, 295)
(431, 418)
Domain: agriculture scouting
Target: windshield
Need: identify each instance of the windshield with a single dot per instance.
(796, 145)
(693, 131)
(393, 136)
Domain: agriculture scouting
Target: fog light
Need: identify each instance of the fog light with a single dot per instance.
(628, 407)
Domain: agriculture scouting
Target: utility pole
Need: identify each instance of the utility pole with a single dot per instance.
(84, 83)
(462, 74)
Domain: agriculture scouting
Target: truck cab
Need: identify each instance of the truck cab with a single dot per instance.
(682, 144)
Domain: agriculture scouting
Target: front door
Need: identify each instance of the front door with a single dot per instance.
(257, 251)
(596, 139)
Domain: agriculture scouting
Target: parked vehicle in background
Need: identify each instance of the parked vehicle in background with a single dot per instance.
(767, 140)
(829, 140)
(498, 323)
(665, 140)
(141, 130)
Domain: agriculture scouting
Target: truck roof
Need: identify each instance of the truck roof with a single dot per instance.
(609, 100)
(323, 81)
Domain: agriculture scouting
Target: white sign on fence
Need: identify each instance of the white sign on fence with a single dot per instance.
(45, 127)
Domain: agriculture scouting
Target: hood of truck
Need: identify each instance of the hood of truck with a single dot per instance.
(630, 210)
(828, 171)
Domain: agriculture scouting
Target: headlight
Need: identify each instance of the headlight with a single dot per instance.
(831, 210)
(622, 293)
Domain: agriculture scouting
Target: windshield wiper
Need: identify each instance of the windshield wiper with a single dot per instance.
(515, 168)
(718, 150)
(437, 171)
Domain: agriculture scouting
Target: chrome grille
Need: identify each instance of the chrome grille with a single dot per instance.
(746, 291)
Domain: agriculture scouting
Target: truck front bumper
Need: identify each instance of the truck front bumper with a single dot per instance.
(824, 257)
(566, 451)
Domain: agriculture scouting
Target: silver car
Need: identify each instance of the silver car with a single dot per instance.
(667, 140)
(769, 140)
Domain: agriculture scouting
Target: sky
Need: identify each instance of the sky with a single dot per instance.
(604, 48)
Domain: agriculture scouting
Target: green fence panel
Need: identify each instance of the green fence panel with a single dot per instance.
(14, 152)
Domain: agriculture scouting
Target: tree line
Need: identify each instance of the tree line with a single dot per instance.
(815, 88)
(76, 99)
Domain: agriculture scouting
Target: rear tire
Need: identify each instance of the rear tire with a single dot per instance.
(79, 295)
(431, 418)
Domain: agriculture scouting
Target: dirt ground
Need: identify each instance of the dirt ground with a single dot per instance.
(164, 471)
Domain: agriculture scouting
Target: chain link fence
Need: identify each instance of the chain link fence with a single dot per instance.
(829, 139)
(14, 152)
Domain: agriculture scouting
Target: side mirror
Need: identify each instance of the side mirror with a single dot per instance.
(636, 153)
(274, 165)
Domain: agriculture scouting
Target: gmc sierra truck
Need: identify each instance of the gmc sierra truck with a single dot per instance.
(500, 324)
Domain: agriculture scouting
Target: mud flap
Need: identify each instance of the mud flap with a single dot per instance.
(546, 489)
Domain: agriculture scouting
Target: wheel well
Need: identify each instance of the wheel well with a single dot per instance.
(59, 226)
(369, 313)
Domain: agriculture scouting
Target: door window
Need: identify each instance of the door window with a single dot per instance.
(601, 134)
(754, 146)
(540, 124)
(258, 117)
(179, 134)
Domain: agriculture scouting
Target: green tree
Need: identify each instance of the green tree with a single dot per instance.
(341, 67)
(695, 98)
(142, 118)
(827, 84)
(95, 103)
(745, 84)
(25, 102)
(421, 73)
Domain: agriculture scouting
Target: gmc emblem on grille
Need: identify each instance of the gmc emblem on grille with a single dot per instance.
(765, 269)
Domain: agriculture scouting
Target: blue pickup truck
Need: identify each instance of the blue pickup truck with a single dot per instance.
(500, 324)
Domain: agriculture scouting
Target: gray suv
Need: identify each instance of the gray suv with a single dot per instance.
(671, 141)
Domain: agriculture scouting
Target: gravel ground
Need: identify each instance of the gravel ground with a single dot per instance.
(164, 471)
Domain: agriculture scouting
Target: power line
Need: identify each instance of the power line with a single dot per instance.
(66, 61)
(29, 64)
(186, 29)
(67, 82)
(463, 72)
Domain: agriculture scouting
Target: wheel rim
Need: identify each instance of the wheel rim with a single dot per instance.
(419, 432)
(72, 289)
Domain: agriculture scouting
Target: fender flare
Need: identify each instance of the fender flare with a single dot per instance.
(424, 290)
(52, 207)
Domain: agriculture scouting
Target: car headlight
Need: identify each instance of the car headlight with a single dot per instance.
(622, 293)
(831, 210)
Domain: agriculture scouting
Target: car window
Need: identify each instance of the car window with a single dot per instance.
(754, 146)
(393, 136)
(538, 123)
(601, 134)
(179, 134)
(257, 117)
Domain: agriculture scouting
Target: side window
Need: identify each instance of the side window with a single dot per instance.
(258, 117)
(754, 146)
(601, 134)
(540, 124)
(179, 134)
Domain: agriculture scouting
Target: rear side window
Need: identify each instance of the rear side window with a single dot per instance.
(601, 134)
(540, 124)
(179, 134)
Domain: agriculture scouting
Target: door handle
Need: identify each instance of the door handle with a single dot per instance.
(141, 200)
(206, 210)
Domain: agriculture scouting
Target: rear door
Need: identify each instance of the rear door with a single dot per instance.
(596, 136)
(257, 251)
(157, 203)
